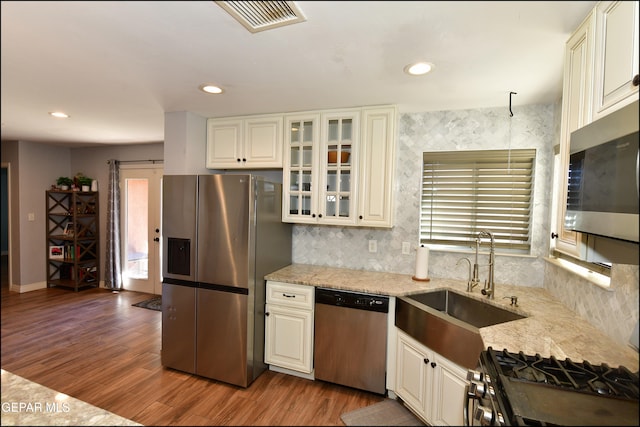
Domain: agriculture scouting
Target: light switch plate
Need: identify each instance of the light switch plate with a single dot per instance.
(406, 248)
(373, 246)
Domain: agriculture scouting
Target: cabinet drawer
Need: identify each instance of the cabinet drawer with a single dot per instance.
(290, 295)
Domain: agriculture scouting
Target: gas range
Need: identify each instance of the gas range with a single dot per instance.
(517, 389)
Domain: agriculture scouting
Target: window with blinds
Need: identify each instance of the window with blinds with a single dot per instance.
(465, 192)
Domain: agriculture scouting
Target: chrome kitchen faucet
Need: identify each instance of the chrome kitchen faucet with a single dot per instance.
(489, 285)
(471, 283)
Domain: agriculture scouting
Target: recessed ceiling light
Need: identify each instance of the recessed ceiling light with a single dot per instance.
(210, 89)
(59, 114)
(418, 68)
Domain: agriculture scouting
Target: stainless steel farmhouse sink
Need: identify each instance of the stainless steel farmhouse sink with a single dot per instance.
(472, 311)
(448, 323)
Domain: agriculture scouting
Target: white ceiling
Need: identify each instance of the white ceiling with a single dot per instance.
(117, 67)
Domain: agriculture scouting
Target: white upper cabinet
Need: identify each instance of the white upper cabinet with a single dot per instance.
(253, 142)
(576, 112)
(616, 56)
(300, 170)
(600, 76)
(377, 160)
(338, 167)
(320, 167)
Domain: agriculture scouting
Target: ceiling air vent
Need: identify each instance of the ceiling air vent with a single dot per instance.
(263, 15)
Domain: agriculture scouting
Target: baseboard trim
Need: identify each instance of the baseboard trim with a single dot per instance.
(28, 288)
(292, 372)
(36, 286)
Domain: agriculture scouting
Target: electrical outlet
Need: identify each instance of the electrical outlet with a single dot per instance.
(373, 246)
(406, 248)
(31, 216)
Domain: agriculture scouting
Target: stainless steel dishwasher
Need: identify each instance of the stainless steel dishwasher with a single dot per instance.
(351, 339)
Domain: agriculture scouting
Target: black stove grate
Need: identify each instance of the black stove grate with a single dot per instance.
(622, 381)
(582, 376)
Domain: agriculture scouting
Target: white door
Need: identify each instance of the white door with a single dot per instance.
(141, 228)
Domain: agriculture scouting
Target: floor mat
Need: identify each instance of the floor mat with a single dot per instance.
(389, 412)
(154, 303)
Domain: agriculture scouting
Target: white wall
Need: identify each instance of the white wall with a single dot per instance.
(40, 166)
(185, 136)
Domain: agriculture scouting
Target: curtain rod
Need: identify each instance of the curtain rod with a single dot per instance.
(154, 161)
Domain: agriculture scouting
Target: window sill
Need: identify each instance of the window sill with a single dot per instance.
(597, 279)
(483, 251)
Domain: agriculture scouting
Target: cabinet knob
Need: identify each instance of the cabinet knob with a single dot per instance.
(636, 80)
(554, 235)
(360, 217)
(313, 215)
(244, 160)
(433, 364)
(426, 361)
(319, 215)
(156, 239)
(238, 160)
(266, 313)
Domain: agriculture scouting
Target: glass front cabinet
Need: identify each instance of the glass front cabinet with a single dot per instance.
(320, 168)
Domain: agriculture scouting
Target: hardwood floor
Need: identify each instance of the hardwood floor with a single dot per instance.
(94, 346)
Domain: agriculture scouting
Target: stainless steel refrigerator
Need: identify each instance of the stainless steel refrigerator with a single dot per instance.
(221, 235)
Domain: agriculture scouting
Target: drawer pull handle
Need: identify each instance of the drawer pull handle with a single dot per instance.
(288, 296)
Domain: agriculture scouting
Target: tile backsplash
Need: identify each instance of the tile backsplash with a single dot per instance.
(614, 311)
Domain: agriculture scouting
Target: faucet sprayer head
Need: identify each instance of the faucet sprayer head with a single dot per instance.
(488, 234)
(485, 233)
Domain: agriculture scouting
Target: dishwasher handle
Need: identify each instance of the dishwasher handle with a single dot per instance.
(346, 299)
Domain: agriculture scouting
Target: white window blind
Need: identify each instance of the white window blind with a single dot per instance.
(465, 192)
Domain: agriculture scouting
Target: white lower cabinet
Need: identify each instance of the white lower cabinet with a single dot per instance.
(449, 386)
(431, 385)
(289, 326)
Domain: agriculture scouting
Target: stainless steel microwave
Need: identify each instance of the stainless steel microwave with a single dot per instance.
(603, 187)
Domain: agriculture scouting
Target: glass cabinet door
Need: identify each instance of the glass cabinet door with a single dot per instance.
(339, 171)
(300, 176)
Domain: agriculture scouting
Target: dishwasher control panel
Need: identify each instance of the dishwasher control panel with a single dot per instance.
(356, 300)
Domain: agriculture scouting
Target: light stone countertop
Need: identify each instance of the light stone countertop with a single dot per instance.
(550, 329)
(30, 404)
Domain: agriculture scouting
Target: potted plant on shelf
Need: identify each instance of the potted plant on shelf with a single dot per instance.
(64, 182)
(83, 182)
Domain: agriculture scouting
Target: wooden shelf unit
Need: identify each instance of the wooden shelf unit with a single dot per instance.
(73, 243)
